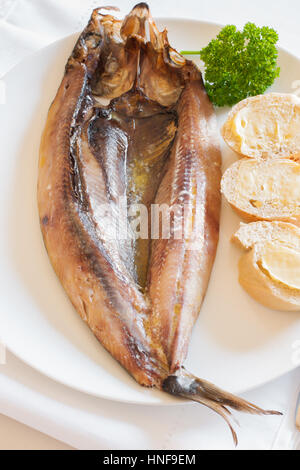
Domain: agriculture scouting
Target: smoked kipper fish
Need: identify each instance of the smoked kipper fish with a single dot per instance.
(132, 126)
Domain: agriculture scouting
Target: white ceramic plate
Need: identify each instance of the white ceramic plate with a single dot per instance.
(236, 343)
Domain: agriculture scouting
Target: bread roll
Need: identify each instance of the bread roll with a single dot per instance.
(269, 270)
(265, 126)
(264, 189)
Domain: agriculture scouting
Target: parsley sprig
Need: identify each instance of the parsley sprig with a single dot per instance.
(239, 64)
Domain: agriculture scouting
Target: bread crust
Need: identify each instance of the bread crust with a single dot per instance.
(252, 277)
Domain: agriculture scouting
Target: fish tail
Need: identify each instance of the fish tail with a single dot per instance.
(186, 385)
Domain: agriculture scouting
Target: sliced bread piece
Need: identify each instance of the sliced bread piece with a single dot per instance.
(265, 126)
(264, 189)
(269, 270)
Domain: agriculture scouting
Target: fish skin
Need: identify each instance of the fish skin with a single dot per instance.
(82, 166)
(115, 313)
(179, 270)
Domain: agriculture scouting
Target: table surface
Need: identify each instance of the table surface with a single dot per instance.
(14, 435)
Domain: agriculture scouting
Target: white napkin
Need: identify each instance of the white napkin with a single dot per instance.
(85, 422)
(288, 436)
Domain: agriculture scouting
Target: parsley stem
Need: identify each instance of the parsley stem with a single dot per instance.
(190, 52)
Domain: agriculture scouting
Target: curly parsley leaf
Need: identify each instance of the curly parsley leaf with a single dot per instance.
(239, 64)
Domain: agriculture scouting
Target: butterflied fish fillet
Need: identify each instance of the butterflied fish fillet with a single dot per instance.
(132, 126)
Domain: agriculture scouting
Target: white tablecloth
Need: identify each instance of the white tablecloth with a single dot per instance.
(85, 422)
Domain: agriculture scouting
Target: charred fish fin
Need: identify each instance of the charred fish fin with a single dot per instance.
(134, 23)
(141, 9)
(188, 386)
(223, 412)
